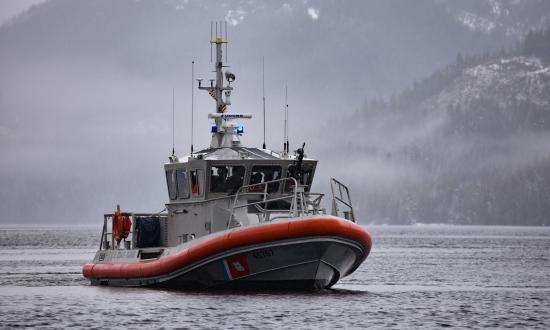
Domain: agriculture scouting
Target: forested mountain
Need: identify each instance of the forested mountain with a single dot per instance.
(470, 144)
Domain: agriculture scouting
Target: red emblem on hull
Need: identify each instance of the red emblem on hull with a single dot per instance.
(236, 266)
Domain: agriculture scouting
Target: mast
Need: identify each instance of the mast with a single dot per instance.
(225, 132)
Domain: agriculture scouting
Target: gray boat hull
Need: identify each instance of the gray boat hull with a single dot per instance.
(308, 263)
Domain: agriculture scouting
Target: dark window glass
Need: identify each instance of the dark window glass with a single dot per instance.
(304, 177)
(183, 184)
(265, 173)
(226, 179)
(171, 183)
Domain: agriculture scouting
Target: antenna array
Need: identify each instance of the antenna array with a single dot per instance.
(218, 30)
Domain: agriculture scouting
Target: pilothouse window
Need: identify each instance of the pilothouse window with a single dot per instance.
(304, 177)
(226, 179)
(183, 183)
(197, 182)
(171, 183)
(264, 174)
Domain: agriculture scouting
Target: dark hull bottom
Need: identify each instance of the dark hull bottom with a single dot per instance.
(312, 275)
(282, 285)
(305, 264)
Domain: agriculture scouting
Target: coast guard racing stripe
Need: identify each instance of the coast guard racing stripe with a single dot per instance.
(235, 267)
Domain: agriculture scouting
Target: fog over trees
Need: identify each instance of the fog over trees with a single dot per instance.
(475, 144)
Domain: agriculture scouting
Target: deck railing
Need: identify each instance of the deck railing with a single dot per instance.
(301, 202)
(341, 196)
(107, 240)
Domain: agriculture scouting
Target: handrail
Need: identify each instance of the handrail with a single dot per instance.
(301, 203)
(297, 197)
(105, 233)
(342, 188)
(293, 205)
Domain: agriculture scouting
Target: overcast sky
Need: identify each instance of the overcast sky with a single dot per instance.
(86, 86)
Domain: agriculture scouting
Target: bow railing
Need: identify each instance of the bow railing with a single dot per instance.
(341, 200)
(300, 202)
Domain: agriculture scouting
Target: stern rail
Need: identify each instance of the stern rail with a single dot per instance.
(107, 240)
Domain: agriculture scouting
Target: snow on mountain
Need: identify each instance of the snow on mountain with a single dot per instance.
(505, 80)
(508, 17)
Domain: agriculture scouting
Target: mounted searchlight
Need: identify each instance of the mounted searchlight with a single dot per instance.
(229, 76)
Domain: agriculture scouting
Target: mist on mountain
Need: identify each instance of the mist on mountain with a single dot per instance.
(467, 145)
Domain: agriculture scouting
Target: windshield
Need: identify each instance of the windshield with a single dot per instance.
(265, 173)
(304, 177)
(226, 178)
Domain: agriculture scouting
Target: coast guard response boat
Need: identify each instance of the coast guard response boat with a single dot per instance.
(237, 218)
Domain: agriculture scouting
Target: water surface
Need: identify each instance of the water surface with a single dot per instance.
(425, 276)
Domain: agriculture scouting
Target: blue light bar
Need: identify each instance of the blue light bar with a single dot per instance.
(240, 129)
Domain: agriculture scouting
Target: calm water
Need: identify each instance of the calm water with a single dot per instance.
(418, 276)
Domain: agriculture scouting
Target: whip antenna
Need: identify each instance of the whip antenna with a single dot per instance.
(192, 101)
(287, 119)
(285, 142)
(211, 38)
(173, 125)
(263, 93)
(226, 42)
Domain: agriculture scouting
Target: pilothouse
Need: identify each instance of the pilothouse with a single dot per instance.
(236, 217)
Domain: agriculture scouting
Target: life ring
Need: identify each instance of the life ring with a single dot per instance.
(127, 226)
(122, 225)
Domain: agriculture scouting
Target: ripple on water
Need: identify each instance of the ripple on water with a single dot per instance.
(415, 277)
